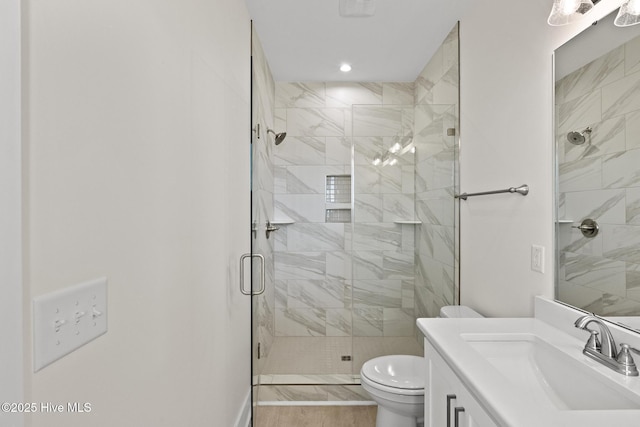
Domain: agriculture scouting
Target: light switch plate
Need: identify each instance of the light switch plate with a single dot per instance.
(67, 319)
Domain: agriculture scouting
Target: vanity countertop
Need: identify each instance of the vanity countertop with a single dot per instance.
(507, 402)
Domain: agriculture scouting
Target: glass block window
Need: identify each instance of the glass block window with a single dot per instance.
(338, 215)
(338, 189)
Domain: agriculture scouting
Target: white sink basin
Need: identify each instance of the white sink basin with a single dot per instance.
(526, 373)
(548, 376)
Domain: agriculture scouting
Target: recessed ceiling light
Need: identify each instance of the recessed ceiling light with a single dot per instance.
(345, 68)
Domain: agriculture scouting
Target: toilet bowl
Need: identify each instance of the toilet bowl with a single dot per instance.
(396, 382)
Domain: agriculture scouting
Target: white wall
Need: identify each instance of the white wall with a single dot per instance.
(138, 117)
(507, 140)
(10, 201)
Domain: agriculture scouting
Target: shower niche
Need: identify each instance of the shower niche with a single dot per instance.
(338, 198)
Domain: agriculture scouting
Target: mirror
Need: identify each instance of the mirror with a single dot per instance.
(597, 137)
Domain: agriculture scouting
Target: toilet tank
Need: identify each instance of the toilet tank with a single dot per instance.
(458, 311)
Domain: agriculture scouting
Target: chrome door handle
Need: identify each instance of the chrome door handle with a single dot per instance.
(262, 274)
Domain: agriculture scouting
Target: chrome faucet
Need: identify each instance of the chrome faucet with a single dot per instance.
(605, 352)
(608, 345)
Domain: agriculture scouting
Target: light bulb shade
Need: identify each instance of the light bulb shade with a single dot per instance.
(629, 14)
(395, 148)
(565, 12)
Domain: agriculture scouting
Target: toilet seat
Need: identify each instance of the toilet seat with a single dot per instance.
(400, 374)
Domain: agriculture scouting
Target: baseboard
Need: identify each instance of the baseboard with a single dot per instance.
(244, 417)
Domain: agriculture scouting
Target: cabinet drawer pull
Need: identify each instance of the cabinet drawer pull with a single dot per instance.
(450, 397)
(457, 411)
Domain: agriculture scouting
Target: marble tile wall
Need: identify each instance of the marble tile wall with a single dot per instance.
(600, 179)
(436, 180)
(343, 279)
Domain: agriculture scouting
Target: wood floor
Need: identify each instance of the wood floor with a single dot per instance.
(316, 416)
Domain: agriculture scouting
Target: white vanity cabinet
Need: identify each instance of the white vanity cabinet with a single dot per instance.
(448, 403)
(522, 372)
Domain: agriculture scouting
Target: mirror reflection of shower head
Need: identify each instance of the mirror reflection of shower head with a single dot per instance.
(578, 138)
(279, 137)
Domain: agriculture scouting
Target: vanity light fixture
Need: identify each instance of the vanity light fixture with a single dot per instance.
(629, 14)
(345, 68)
(565, 12)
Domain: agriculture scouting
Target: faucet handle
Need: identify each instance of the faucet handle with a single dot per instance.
(593, 342)
(624, 358)
(626, 348)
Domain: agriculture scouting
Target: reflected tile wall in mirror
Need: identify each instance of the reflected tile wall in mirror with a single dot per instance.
(600, 180)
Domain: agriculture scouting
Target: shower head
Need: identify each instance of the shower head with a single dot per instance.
(279, 137)
(578, 138)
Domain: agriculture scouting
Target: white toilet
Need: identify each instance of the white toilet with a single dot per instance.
(396, 382)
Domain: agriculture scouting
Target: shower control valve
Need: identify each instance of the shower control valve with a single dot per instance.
(271, 228)
(588, 227)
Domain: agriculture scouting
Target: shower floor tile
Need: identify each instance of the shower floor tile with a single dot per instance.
(323, 355)
(308, 356)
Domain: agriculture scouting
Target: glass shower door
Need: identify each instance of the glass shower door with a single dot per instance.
(263, 230)
(257, 239)
(404, 246)
(367, 241)
(383, 236)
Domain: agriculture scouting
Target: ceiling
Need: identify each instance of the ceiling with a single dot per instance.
(307, 40)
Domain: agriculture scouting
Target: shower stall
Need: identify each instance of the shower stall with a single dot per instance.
(354, 213)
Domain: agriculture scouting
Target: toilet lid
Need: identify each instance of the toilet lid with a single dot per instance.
(398, 371)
